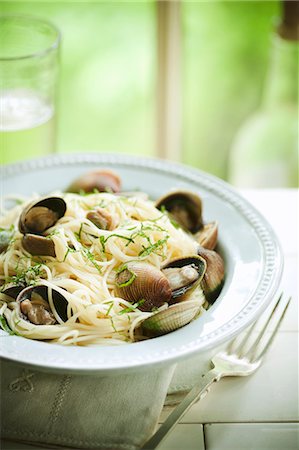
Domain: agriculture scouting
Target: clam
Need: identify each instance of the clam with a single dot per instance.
(142, 283)
(38, 245)
(184, 274)
(13, 290)
(101, 180)
(5, 238)
(185, 207)
(41, 215)
(35, 306)
(100, 218)
(213, 278)
(207, 236)
(170, 319)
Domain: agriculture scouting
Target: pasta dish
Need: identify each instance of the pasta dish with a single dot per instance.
(95, 266)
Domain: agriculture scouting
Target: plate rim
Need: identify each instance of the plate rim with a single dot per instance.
(265, 289)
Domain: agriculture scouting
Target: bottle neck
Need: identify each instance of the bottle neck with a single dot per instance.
(282, 81)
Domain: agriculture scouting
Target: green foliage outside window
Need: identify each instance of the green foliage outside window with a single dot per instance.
(108, 74)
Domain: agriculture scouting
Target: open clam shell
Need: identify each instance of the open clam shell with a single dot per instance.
(13, 290)
(213, 278)
(184, 274)
(36, 308)
(185, 207)
(171, 319)
(40, 215)
(208, 235)
(100, 218)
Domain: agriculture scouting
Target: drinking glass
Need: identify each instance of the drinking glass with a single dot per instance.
(29, 64)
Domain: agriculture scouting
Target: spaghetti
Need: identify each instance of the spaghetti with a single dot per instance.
(86, 262)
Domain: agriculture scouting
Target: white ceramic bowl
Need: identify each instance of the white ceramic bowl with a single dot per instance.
(252, 257)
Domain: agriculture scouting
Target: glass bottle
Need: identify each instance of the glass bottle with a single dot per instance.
(265, 150)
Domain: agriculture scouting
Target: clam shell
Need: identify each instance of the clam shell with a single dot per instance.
(149, 284)
(54, 204)
(102, 180)
(208, 235)
(13, 290)
(213, 278)
(172, 318)
(185, 207)
(59, 301)
(100, 218)
(195, 260)
(38, 245)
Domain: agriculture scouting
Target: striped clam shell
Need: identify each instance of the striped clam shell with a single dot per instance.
(170, 319)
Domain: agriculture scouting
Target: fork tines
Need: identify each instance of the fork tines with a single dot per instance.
(260, 335)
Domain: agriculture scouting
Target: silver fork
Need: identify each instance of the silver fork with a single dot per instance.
(242, 357)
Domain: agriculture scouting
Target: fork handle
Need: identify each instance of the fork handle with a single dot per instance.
(194, 394)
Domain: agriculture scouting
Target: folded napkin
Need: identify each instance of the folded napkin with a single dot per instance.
(187, 373)
(81, 411)
(91, 411)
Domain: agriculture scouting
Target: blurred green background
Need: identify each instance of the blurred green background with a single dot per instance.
(107, 98)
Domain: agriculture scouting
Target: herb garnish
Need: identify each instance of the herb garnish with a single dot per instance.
(153, 247)
(109, 309)
(69, 250)
(78, 235)
(132, 308)
(5, 327)
(113, 326)
(90, 256)
(27, 277)
(104, 239)
(128, 281)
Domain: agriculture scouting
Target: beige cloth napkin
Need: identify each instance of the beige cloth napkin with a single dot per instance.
(90, 411)
(81, 411)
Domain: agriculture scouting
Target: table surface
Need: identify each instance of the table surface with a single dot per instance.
(259, 412)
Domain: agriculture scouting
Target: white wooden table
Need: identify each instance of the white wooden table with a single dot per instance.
(259, 412)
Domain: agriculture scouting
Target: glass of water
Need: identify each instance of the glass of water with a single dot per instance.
(29, 63)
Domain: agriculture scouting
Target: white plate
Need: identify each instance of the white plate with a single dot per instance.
(252, 257)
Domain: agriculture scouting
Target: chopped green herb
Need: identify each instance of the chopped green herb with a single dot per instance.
(109, 309)
(153, 247)
(175, 223)
(113, 326)
(69, 250)
(5, 327)
(103, 240)
(129, 280)
(102, 204)
(11, 228)
(90, 256)
(78, 235)
(121, 268)
(6, 236)
(27, 277)
(132, 308)
(54, 232)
